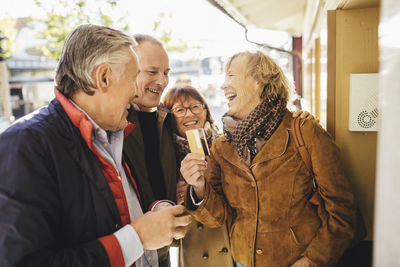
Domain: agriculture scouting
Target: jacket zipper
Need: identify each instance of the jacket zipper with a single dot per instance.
(256, 225)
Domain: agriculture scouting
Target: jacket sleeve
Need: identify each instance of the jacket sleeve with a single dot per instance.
(337, 230)
(214, 210)
(31, 210)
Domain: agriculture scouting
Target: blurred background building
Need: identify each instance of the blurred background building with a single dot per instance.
(198, 37)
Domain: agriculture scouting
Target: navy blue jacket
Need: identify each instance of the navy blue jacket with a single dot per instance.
(55, 202)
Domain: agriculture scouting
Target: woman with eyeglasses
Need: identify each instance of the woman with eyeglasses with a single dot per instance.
(202, 246)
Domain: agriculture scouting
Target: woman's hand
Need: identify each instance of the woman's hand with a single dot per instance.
(303, 262)
(193, 168)
(303, 114)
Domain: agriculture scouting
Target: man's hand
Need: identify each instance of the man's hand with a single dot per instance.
(162, 205)
(303, 114)
(303, 262)
(193, 168)
(158, 229)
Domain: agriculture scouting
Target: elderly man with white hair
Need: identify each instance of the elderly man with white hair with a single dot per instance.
(67, 197)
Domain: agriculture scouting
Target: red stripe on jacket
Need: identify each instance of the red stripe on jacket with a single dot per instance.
(109, 242)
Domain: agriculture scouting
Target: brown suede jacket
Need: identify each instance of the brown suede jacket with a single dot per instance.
(274, 223)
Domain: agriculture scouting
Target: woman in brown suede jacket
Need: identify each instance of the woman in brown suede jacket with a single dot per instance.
(256, 175)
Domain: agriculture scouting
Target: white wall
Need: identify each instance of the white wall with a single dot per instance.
(387, 210)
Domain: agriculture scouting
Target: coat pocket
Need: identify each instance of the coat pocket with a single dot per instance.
(302, 234)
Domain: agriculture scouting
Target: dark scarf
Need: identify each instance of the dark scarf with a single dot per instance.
(181, 146)
(261, 122)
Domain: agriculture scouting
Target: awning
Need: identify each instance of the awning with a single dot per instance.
(280, 15)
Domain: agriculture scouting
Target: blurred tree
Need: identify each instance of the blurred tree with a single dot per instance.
(8, 32)
(163, 32)
(62, 16)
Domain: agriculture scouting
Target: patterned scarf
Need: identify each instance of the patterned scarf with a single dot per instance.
(261, 122)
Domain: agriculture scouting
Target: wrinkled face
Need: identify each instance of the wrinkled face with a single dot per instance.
(153, 78)
(121, 92)
(189, 114)
(241, 90)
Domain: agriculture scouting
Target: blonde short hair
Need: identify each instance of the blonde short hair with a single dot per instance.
(267, 73)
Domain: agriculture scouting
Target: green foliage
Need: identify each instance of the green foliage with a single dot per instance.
(164, 34)
(9, 31)
(62, 16)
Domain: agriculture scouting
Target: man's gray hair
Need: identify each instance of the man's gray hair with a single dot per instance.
(85, 48)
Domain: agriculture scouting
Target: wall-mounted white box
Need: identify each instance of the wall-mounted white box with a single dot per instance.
(363, 110)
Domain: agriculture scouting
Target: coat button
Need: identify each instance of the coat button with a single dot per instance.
(117, 226)
(205, 256)
(224, 250)
(259, 251)
(199, 226)
(253, 184)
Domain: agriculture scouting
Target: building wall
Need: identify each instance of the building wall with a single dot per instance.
(353, 48)
(314, 93)
(387, 217)
(5, 109)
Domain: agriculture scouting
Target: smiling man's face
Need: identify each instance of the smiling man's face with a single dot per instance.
(153, 76)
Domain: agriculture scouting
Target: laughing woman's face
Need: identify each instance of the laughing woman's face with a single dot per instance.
(241, 90)
(189, 114)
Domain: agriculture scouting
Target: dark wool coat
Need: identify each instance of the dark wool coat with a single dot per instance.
(274, 223)
(56, 207)
(134, 151)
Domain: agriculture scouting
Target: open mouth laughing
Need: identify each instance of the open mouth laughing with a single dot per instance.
(154, 91)
(191, 123)
(230, 96)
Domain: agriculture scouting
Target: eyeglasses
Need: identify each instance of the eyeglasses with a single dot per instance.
(181, 111)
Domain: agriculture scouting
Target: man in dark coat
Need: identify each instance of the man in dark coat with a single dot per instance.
(149, 149)
(67, 197)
